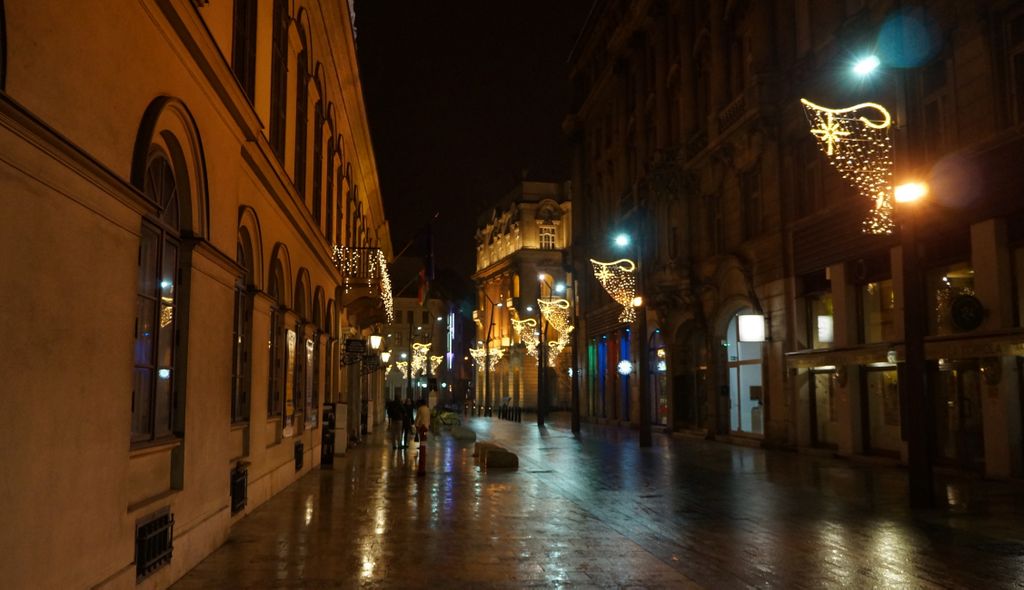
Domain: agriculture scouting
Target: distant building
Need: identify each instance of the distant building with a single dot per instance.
(175, 179)
(521, 258)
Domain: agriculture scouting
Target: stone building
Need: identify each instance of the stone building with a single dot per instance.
(521, 247)
(175, 178)
(687, 121)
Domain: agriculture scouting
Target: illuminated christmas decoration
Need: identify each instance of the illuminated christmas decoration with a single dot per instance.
(860, 148)
(619, 280)
(419, 358)
(555, 348)
(435, 362)
(527, 334)
(358, 265)
(480, 355)
(556, 312)
(403, 367)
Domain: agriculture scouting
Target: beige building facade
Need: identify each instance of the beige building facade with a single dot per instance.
(175, 178)
(521, 246)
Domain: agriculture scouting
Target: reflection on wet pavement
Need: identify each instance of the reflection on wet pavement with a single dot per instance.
(598, 511)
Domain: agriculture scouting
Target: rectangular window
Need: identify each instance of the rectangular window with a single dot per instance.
(279, 78)
(877, 312)
(547, 237)
(243, 49)
(242, 342)
(155, 314)
(275, 391)
(820, 320)
(426, 318)
(943, 285)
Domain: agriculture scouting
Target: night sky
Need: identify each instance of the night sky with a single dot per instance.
(463, 96)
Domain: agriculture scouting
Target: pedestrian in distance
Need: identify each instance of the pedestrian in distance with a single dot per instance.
(407, 419)
(395, 419)
(422, 426)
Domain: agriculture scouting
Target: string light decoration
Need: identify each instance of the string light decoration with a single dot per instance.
(527, 334)
(619, 280)
(555, 348)
(419, 358)
(479, 355)
(435, 362)
(858, 144)
(556, 312)
(359, 265)
(403, 367)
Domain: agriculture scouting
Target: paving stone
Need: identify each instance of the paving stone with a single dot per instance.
(597, 511)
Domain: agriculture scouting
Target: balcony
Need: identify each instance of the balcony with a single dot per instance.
(365, 283)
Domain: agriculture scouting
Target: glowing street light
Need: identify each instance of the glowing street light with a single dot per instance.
(910, 192)
(866, 65)
(622, 240)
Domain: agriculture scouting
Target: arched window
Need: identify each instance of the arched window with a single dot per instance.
(243, 46)
(159, 277)
(301, 116)
(301, 377)
(279, 78)
(318, 162)
(242, 334)
(275, 389)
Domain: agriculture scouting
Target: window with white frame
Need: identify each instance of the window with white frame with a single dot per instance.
(547, 237)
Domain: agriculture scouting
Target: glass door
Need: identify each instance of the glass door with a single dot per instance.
(823, 411)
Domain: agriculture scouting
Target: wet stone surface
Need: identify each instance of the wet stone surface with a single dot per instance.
(599, 512)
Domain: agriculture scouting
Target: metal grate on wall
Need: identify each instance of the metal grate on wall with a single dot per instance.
(154, 544)
(239, 488)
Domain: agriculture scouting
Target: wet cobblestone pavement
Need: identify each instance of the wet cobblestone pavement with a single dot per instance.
(599, 512)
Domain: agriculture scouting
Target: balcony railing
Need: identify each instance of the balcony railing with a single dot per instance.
(365, 268)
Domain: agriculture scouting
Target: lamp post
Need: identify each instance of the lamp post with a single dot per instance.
(914, 389)
(643, 360)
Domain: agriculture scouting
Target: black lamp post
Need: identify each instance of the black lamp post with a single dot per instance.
(914, 388)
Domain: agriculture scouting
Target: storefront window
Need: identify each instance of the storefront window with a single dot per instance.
(944, 284)
(877, 312)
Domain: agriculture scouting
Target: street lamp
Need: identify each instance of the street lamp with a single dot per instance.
(866, 65)
(643, 362)
(914, 389)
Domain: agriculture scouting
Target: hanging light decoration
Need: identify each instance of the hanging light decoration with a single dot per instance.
(479, 355)
(555, 348)
(403, 367)
(527, 334)
(435, 362)
(619, 280)
(556, 312)
(860, 148)
(419, 358)
(358, 265)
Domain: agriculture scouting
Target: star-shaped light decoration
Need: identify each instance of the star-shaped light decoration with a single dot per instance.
(860, 148)
(830, 132)
(619, 280)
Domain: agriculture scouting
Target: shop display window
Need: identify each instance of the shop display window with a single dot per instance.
(943, 285)
(877, 312)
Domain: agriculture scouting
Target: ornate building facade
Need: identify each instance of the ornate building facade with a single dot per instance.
(687, 121)
(521, 267)
(193, 225)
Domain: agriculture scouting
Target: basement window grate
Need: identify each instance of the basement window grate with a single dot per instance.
(154, 536)
(239, 488)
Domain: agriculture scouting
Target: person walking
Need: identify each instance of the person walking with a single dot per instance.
(407, 419)
(422, 426)
(395, 419)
